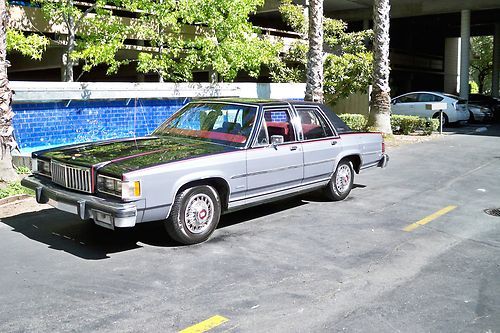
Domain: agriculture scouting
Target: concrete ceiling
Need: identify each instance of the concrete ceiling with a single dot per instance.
(352, 10)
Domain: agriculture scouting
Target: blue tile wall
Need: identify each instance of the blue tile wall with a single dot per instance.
(52, 124)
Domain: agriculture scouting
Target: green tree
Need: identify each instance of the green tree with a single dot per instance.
(201, 35)
(31, 46)
(347, 63)
(380, 112)
(92, 34)
(481, 62)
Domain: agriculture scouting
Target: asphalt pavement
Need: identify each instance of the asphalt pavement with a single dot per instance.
(410, 250)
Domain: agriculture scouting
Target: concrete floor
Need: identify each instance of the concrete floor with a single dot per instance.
(300, 265)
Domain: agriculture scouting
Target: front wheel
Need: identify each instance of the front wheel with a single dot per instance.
(194, 215)
(446, 122)
(341, 183)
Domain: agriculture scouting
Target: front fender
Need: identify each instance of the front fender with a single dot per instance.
(195, 177)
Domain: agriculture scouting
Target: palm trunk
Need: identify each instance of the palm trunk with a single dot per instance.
(7, 141)
(314, 73)
(380, 113)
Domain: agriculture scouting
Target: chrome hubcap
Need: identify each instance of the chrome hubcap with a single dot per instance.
(199, 213)
(343, 178)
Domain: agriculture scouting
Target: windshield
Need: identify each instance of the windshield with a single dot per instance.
(228, 124)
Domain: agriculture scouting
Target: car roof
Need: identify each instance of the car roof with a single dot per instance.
(254, 101)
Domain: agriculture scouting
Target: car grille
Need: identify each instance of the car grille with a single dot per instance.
(72, 177)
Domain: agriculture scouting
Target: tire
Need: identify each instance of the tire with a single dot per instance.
(471, 118)
(194, 215)
(445, 119)
(339, 187)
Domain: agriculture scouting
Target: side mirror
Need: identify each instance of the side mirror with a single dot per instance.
(276, 140)
(394, 102)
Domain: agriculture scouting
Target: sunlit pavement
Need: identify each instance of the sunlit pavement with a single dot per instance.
(410, 250)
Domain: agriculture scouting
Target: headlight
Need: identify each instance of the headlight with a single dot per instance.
(40, 166)
(123, 189)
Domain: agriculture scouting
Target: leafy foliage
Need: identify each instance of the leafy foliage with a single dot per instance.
(399, 123)
(32, 45)
(348, 63)
(481, 62)
(14, 188)
(201, 35)
(357, 122)
(94, 34)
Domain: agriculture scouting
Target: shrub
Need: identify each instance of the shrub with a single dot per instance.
(400, 124)
(429, 125)
(357, 122)
(405, 124)
(14, 188)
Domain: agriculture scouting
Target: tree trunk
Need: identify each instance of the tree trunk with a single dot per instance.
(380, 113)
(68, 63)
(314, 73)
(7, 141)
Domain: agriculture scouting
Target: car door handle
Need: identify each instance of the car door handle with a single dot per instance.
(292, 148)
(334, 143)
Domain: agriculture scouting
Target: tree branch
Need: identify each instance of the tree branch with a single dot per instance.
(85, 13)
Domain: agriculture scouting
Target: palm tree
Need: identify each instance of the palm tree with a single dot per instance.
(380, 113)
(7, 142)
(314, 73)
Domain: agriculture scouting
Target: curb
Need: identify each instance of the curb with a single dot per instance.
(13, 198)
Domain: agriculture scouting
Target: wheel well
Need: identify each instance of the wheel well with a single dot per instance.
(220, 185)
(436, 115)
(355, 160)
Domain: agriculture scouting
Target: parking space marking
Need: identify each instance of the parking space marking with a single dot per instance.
(429, 218)
(205, 325)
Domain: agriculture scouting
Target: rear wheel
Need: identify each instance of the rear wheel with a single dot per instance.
(342, 181)
(194, 215)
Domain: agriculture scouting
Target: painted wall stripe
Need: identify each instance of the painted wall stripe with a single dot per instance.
(429, 218)
(206, 325)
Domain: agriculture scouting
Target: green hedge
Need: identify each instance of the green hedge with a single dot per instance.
(356, 122)
(400, 124)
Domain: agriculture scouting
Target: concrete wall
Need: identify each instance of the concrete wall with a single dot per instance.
(30, 91)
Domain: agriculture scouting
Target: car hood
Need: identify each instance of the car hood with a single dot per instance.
(117, 157)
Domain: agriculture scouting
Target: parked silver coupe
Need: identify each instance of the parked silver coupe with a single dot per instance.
(211, 157)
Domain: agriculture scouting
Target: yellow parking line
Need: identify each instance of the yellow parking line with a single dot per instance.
(205, 325)
(429, 218)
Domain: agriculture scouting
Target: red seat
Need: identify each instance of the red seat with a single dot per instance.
(279, 128)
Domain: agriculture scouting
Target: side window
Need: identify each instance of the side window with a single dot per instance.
(411, 98)
(429, 98)
(278, 122)
(313, 125)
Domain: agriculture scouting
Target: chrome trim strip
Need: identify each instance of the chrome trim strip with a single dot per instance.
(320, 162)
(267, 171)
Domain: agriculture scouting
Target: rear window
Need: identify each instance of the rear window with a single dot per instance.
(339, 125)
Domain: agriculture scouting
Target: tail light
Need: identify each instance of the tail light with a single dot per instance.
(383, 146)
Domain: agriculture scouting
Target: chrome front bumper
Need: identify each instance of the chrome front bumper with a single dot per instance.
(104, 212)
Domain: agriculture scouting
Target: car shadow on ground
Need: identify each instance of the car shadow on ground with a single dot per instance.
(66, 232)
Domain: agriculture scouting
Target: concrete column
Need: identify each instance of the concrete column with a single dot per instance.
(495, 78)
(451, 65)
(464, 53)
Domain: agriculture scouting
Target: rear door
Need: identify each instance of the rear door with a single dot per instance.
(320, 143)
(271, 169)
